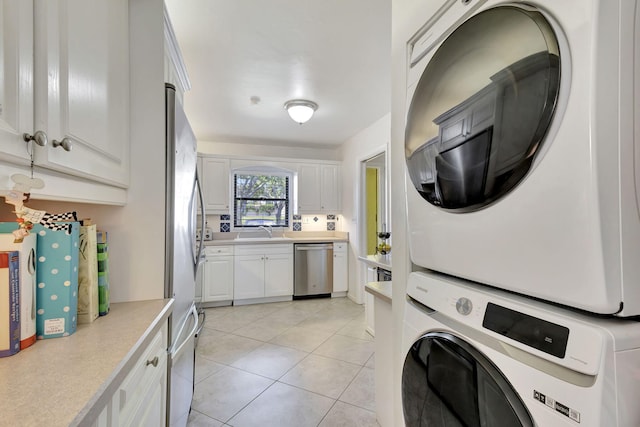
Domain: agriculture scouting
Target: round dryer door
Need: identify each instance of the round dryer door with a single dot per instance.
(447, 382)
(482, 107)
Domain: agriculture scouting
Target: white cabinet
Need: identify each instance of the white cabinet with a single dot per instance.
(308, 188)
(330, 188)
(82, 87)
(318, 188)
(16, 84)
(215, 184)
(340, 267)
(142, 395)
(66, 74)
(263, 271)
(141, 398)
(368, 301)
(217, 283)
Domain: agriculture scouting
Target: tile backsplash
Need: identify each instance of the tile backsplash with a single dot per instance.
(319, 222)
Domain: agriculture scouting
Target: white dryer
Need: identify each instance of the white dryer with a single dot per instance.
(481, 357)
(523, 148)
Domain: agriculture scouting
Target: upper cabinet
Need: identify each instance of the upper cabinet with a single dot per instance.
(66, 75)
(16, 84)
(318, 188)
(309, 184)
(82, 87)
(215, 184)
(330, 189)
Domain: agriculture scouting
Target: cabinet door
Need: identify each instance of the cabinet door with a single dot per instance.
(309, 185)
(340, 270)
(248, 278)
(278, 275)
(82, 87)
(330, 193)
(218, 285)
(369, 313)
(152, 410)
(16, 81)
(142, 395)
(215, 179)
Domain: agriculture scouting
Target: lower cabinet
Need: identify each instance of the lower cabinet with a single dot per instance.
(141, 398)
(340, 267)
(263, 271)
(217, 279)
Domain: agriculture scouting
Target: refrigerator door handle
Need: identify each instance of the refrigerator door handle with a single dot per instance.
(198, 187)
(173, 351)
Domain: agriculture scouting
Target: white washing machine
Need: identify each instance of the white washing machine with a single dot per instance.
(481, 357)
(523, 148)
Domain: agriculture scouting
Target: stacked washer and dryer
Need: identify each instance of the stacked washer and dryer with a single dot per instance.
(523, 194)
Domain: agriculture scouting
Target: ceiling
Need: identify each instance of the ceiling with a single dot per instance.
(333, 52)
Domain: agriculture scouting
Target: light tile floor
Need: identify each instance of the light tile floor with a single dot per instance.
(295, 363)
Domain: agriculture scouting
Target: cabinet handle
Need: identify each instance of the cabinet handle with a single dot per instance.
(39, 137)
(153, 362)
(65, 143)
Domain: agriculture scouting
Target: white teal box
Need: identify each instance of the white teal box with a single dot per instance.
(57, 280)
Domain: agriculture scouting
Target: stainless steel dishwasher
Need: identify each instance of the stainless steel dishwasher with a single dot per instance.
(313, 270)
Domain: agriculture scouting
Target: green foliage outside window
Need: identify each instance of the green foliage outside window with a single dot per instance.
(261, 200)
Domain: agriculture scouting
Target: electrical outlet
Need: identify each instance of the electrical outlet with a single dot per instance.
(306, 220)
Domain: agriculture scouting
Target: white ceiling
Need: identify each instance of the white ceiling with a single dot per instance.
(333, 52)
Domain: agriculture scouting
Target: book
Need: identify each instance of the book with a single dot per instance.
(88, 301)
(9, 303)
(26, 278)
(103, 272)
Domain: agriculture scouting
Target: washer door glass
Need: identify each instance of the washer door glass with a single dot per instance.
(447, 382)
(482, 107)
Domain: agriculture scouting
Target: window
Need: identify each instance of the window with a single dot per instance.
(260, 199)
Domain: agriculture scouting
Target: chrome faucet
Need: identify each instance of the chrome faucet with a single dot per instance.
(268, 230)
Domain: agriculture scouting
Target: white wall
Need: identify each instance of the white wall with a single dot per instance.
(136, 230)
(362, 146)
(268, 149)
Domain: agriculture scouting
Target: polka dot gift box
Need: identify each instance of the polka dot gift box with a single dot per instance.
(56, 280)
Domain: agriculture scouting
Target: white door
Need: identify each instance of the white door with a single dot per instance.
(215, 178)
(278, 275)
(309, 185)
(340, 270)
(330, 190)
(219, 279)
(82, 87)
(248, 281)
(16, 84)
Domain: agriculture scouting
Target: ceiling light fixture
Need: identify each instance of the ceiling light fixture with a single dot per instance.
(300, 110)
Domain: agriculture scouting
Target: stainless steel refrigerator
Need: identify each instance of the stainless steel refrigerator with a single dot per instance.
(182, 259)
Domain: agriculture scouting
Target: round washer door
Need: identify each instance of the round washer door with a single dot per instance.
(447, 382)
(482, 108)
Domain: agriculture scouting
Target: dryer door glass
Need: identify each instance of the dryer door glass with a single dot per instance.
(482, 107)
(447, 382)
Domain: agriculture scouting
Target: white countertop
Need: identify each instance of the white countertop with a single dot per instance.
(382, 290)
(59, 381)
(288, 237)
(382, 261)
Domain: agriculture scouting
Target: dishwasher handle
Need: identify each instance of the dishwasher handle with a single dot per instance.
(314, 247)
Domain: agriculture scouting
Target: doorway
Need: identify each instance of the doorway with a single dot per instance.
(374, 203)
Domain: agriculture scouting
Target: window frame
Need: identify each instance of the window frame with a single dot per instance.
(258, 172)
